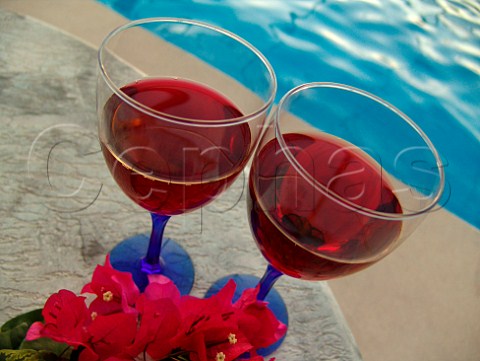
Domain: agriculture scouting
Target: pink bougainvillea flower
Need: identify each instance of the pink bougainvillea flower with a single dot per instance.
(161, 287)
(116, 291)
(208, 314)
(212, 311)
(123, 325)
(207, 323)
(110, 335)
(257, 321)
(160, 321)
(66, 316)
(234, 345)
(200, 350)
(160, 317)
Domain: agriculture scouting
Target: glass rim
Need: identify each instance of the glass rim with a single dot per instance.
(182, 120)
(334, 196)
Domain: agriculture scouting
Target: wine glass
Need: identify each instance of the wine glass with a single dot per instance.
(340, 179)
(181, 105)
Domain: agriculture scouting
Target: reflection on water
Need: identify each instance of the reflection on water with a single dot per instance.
(421, 55)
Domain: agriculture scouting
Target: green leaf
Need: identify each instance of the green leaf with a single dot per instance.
(28, 318)
(12, 338)
(28, 355)
(14, 331)
(46, 344)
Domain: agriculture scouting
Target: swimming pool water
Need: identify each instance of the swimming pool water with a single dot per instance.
(421, 55)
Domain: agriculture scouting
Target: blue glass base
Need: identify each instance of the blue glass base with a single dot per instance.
(274, 299)
(175, 262)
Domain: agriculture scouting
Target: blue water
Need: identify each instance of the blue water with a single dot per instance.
(421, 55)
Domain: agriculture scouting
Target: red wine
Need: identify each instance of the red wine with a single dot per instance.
(171, 167)
(304, 233)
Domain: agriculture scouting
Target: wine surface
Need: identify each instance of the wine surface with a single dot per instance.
(306, 234)
(171, 167)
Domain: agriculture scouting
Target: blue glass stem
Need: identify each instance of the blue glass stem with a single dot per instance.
(268, 280)
(152, 263)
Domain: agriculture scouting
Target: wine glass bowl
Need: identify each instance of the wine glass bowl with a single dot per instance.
(181, 105)
(178, 167)
(340, 179)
